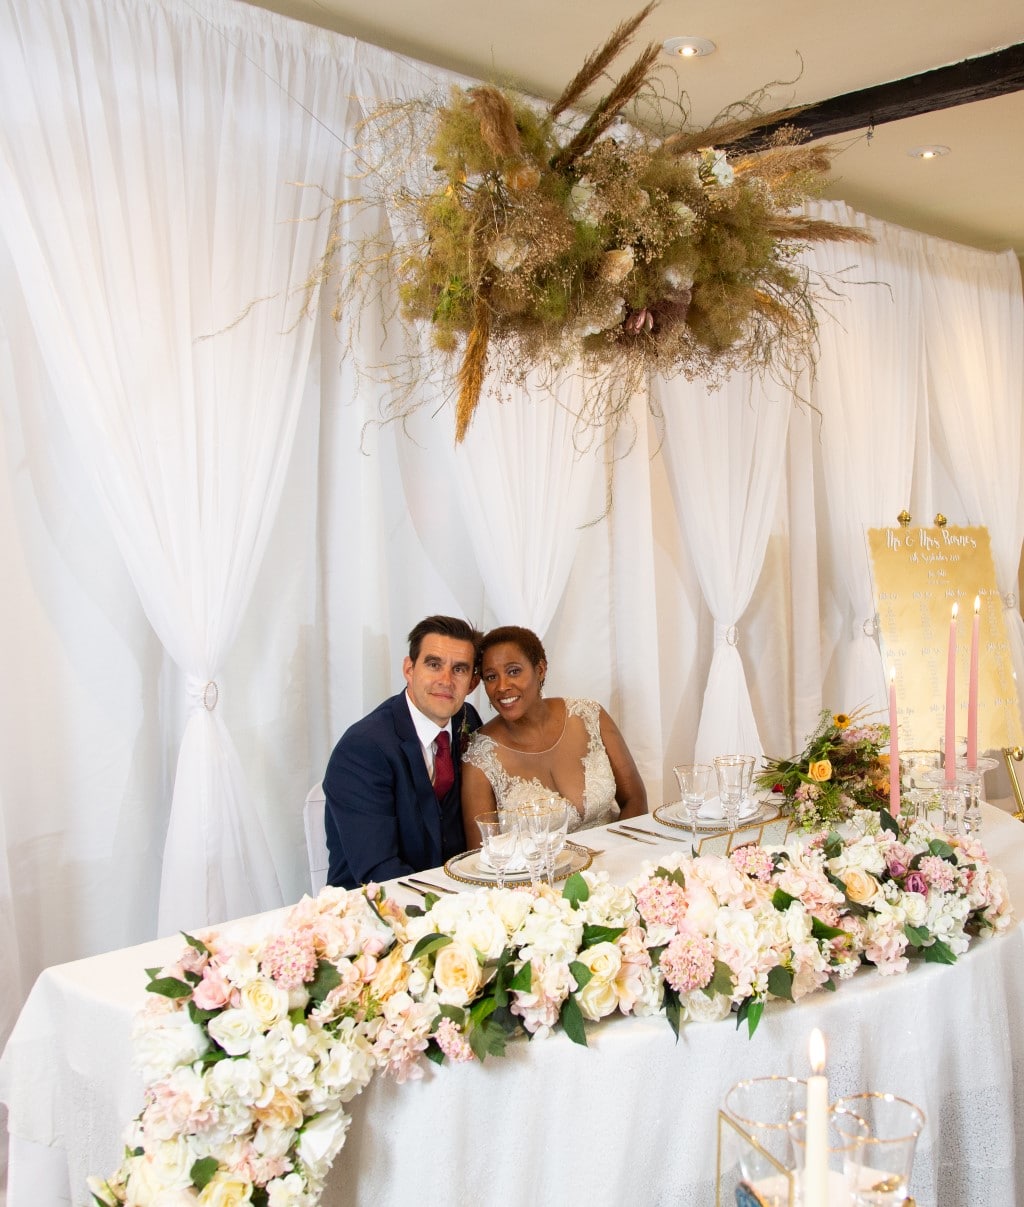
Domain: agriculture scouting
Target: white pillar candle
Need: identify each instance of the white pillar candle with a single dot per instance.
(816, 1137)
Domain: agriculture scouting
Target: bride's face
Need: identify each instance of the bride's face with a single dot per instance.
(511, 681)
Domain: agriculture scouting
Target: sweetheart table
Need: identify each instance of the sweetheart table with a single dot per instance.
(632, 1119)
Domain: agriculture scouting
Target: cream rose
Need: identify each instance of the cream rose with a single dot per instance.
(485, 933)
(266, 1001)
(860, 886)
(282, 1111)
(511, 907)
(457, 974)
(321, 1140)
(226, 1190)
(703, 1009)
(820, 771)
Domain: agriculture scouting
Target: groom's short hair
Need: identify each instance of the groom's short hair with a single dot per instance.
(444, 626)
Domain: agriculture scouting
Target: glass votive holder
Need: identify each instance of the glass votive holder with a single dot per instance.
(846, 1130)
(879, 1165)
(763, 1107)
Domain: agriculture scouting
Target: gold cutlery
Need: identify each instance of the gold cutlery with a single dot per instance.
(411, 888)
(632, 837)
(433, 888)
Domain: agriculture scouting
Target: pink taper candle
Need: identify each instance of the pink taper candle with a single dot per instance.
(972, 694)
(950, 754)
(894, 748)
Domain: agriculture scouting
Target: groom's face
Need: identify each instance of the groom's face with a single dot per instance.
(441, 677)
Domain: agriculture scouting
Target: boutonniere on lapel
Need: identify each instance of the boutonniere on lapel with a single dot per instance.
(462, 741)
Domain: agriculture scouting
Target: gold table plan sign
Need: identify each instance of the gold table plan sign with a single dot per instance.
(919, 573)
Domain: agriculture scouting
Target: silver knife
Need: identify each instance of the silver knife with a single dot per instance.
(632, 837)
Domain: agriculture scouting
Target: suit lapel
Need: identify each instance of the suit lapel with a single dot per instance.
(412, 752)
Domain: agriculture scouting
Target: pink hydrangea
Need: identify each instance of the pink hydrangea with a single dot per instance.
(290, 959)
(688, 963)
(939, 873)
(661, 902)
(752, 861)
(452, 1042)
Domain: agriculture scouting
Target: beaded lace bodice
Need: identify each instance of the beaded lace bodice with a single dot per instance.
(576, 767)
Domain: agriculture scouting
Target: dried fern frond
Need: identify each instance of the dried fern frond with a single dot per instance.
(598, 60)
(777, 163)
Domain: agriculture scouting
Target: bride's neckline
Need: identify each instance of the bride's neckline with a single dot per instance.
(547, 749)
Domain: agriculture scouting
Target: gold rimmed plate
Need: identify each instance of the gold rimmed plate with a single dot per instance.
(469, 867)
(675, 815)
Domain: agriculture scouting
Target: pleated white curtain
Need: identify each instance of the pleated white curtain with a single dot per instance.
(868, 387)
(146, 191)
(526, 492)
(973, 325)
(726, 452)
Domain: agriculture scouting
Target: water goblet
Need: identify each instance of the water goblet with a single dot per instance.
(763, 1107)
(693, 786)
(733, 774)
(845, 1131)
(499, 840)
(879, 1162)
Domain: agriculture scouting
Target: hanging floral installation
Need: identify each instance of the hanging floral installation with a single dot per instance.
(622, 248)
(251, 1051)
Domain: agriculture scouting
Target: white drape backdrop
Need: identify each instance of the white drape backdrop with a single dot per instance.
(283, 543)
(725, 449)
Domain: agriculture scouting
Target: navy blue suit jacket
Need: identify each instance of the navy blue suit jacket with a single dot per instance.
(382, 817)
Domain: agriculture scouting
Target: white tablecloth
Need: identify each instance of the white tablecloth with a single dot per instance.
(633, 1119)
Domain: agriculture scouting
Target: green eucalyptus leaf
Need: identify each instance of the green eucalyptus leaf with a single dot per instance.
(938, 847)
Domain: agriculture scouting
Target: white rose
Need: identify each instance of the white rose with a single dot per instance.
(234, 1030)
(457, 974)
(915, 907)
(175, 1198)
(718, 165)
(485, 933)
(166, 1041)
(321, 1140)
(582, 201)
(149, 1175)
(703, 1009)
(266, 1001)
(598, 998)
(511, 907)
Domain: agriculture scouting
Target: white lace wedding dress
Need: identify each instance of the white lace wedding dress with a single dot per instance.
(587, 782)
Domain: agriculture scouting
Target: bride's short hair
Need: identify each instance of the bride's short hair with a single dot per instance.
(513, 634)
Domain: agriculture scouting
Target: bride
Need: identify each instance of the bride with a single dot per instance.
(536, 745)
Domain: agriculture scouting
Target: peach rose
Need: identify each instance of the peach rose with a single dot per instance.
(820, 771)
(860, 886)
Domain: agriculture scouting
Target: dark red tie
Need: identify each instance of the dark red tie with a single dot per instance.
(444, 769)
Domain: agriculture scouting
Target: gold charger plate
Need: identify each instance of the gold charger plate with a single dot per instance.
(470, 869)
(675, 815)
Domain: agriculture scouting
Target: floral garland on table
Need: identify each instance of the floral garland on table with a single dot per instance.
(250, 1051)
(653, 247)
(840, 770)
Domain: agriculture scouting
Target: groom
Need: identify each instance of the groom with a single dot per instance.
(392, 783)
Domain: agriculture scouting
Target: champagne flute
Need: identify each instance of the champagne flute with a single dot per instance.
(693, 785)
(558, 826)
(499, 842)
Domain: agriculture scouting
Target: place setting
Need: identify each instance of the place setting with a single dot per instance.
(525, 845)
(717, 797)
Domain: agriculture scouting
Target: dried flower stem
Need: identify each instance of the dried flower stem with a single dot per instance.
(596, 62)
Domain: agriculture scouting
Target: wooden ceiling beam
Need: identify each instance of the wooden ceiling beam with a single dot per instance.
(958, 84)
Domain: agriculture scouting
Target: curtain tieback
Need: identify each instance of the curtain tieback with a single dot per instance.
(1010, 602)
(727, 633)
(203, 695)
(863, 628)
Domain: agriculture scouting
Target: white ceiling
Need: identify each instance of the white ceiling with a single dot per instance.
(974, 195)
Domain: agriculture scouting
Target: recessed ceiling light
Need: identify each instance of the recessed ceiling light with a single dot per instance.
(688, 48)
(931, 152)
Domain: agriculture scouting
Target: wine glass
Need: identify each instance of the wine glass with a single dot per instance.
(733, 772)
(879, 1166)
(558, 827)
(693, 785)
(499, 838)
(533, 821)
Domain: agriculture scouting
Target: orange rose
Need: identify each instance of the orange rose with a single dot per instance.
(820, 771)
